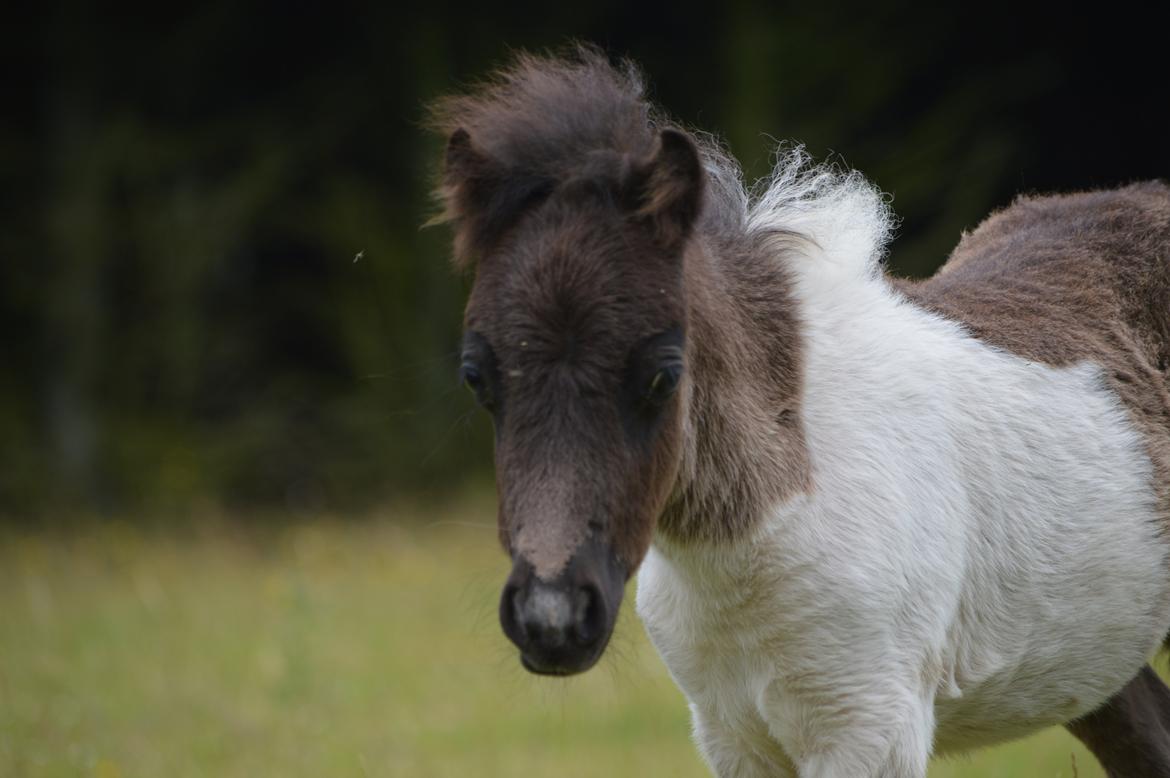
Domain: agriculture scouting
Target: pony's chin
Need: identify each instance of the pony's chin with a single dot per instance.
(560, 666)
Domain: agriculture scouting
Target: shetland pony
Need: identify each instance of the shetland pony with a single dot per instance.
(872, 519)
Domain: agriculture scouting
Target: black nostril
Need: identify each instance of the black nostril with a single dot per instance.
(511, 618)
(589, 615)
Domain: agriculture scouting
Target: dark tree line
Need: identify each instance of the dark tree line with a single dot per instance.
(186, 193)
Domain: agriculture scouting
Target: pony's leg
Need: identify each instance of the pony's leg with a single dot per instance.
(906, 757)
(887, 734)
(1130, 734)
(738, 752)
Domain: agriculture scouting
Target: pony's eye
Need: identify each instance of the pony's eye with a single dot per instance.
(654, 369)
(477, 371)
(474, 381)
(663, 383)
(471, 378)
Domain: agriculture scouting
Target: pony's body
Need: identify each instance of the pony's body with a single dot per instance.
(980, 553)
(875, 519)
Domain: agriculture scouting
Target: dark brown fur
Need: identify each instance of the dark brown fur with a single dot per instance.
(1130, 734)
(745, 445)
(590, 228)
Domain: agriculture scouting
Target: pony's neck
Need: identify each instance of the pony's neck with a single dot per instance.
(744, 447)
(763, 276)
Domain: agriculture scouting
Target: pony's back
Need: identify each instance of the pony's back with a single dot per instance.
(1071, 278)
(1049, 277)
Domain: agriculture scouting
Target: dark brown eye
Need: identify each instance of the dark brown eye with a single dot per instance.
(663, 383)
(654, 369)
(473, 380)
(478, 372)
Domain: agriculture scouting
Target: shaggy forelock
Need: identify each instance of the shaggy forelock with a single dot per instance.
(544, 116)
(550, 117)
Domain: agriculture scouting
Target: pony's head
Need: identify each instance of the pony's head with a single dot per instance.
(574, 208)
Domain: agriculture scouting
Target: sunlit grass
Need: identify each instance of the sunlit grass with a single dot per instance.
(326, 649)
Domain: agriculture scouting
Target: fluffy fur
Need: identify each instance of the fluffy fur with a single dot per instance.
(888, 519)
(980, 554)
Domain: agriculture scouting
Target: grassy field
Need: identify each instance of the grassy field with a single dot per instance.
(326, 649)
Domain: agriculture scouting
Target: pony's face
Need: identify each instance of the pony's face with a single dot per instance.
(575, 342)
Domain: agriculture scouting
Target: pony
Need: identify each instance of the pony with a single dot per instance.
(871, 519)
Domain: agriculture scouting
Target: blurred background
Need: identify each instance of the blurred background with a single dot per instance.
(229, 348)
(183, 319)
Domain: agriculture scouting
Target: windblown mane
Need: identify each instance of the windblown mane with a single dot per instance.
(546, 117)
(552, 119)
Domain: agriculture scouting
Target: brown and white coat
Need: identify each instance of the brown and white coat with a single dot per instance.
(872, 520)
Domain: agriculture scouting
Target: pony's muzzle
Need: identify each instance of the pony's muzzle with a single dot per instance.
(556, 629)
(561, 626)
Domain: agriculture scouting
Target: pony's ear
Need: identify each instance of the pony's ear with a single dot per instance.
(462, 160)
(481, 197)
(469, 178)
(667, 189)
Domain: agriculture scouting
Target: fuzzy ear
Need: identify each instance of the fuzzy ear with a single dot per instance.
(667, 189)
(462, 159)
(481, 197)
(468, 181)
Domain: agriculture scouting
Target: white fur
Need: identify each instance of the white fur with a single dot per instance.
(845, 218)
(978, 556)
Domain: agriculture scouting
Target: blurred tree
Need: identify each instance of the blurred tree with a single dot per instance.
(183, 315)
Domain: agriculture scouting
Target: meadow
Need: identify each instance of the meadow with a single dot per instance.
(327, 648)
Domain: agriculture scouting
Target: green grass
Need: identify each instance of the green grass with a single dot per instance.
(326, 649)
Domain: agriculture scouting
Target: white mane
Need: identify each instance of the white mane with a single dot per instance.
(836, 211)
